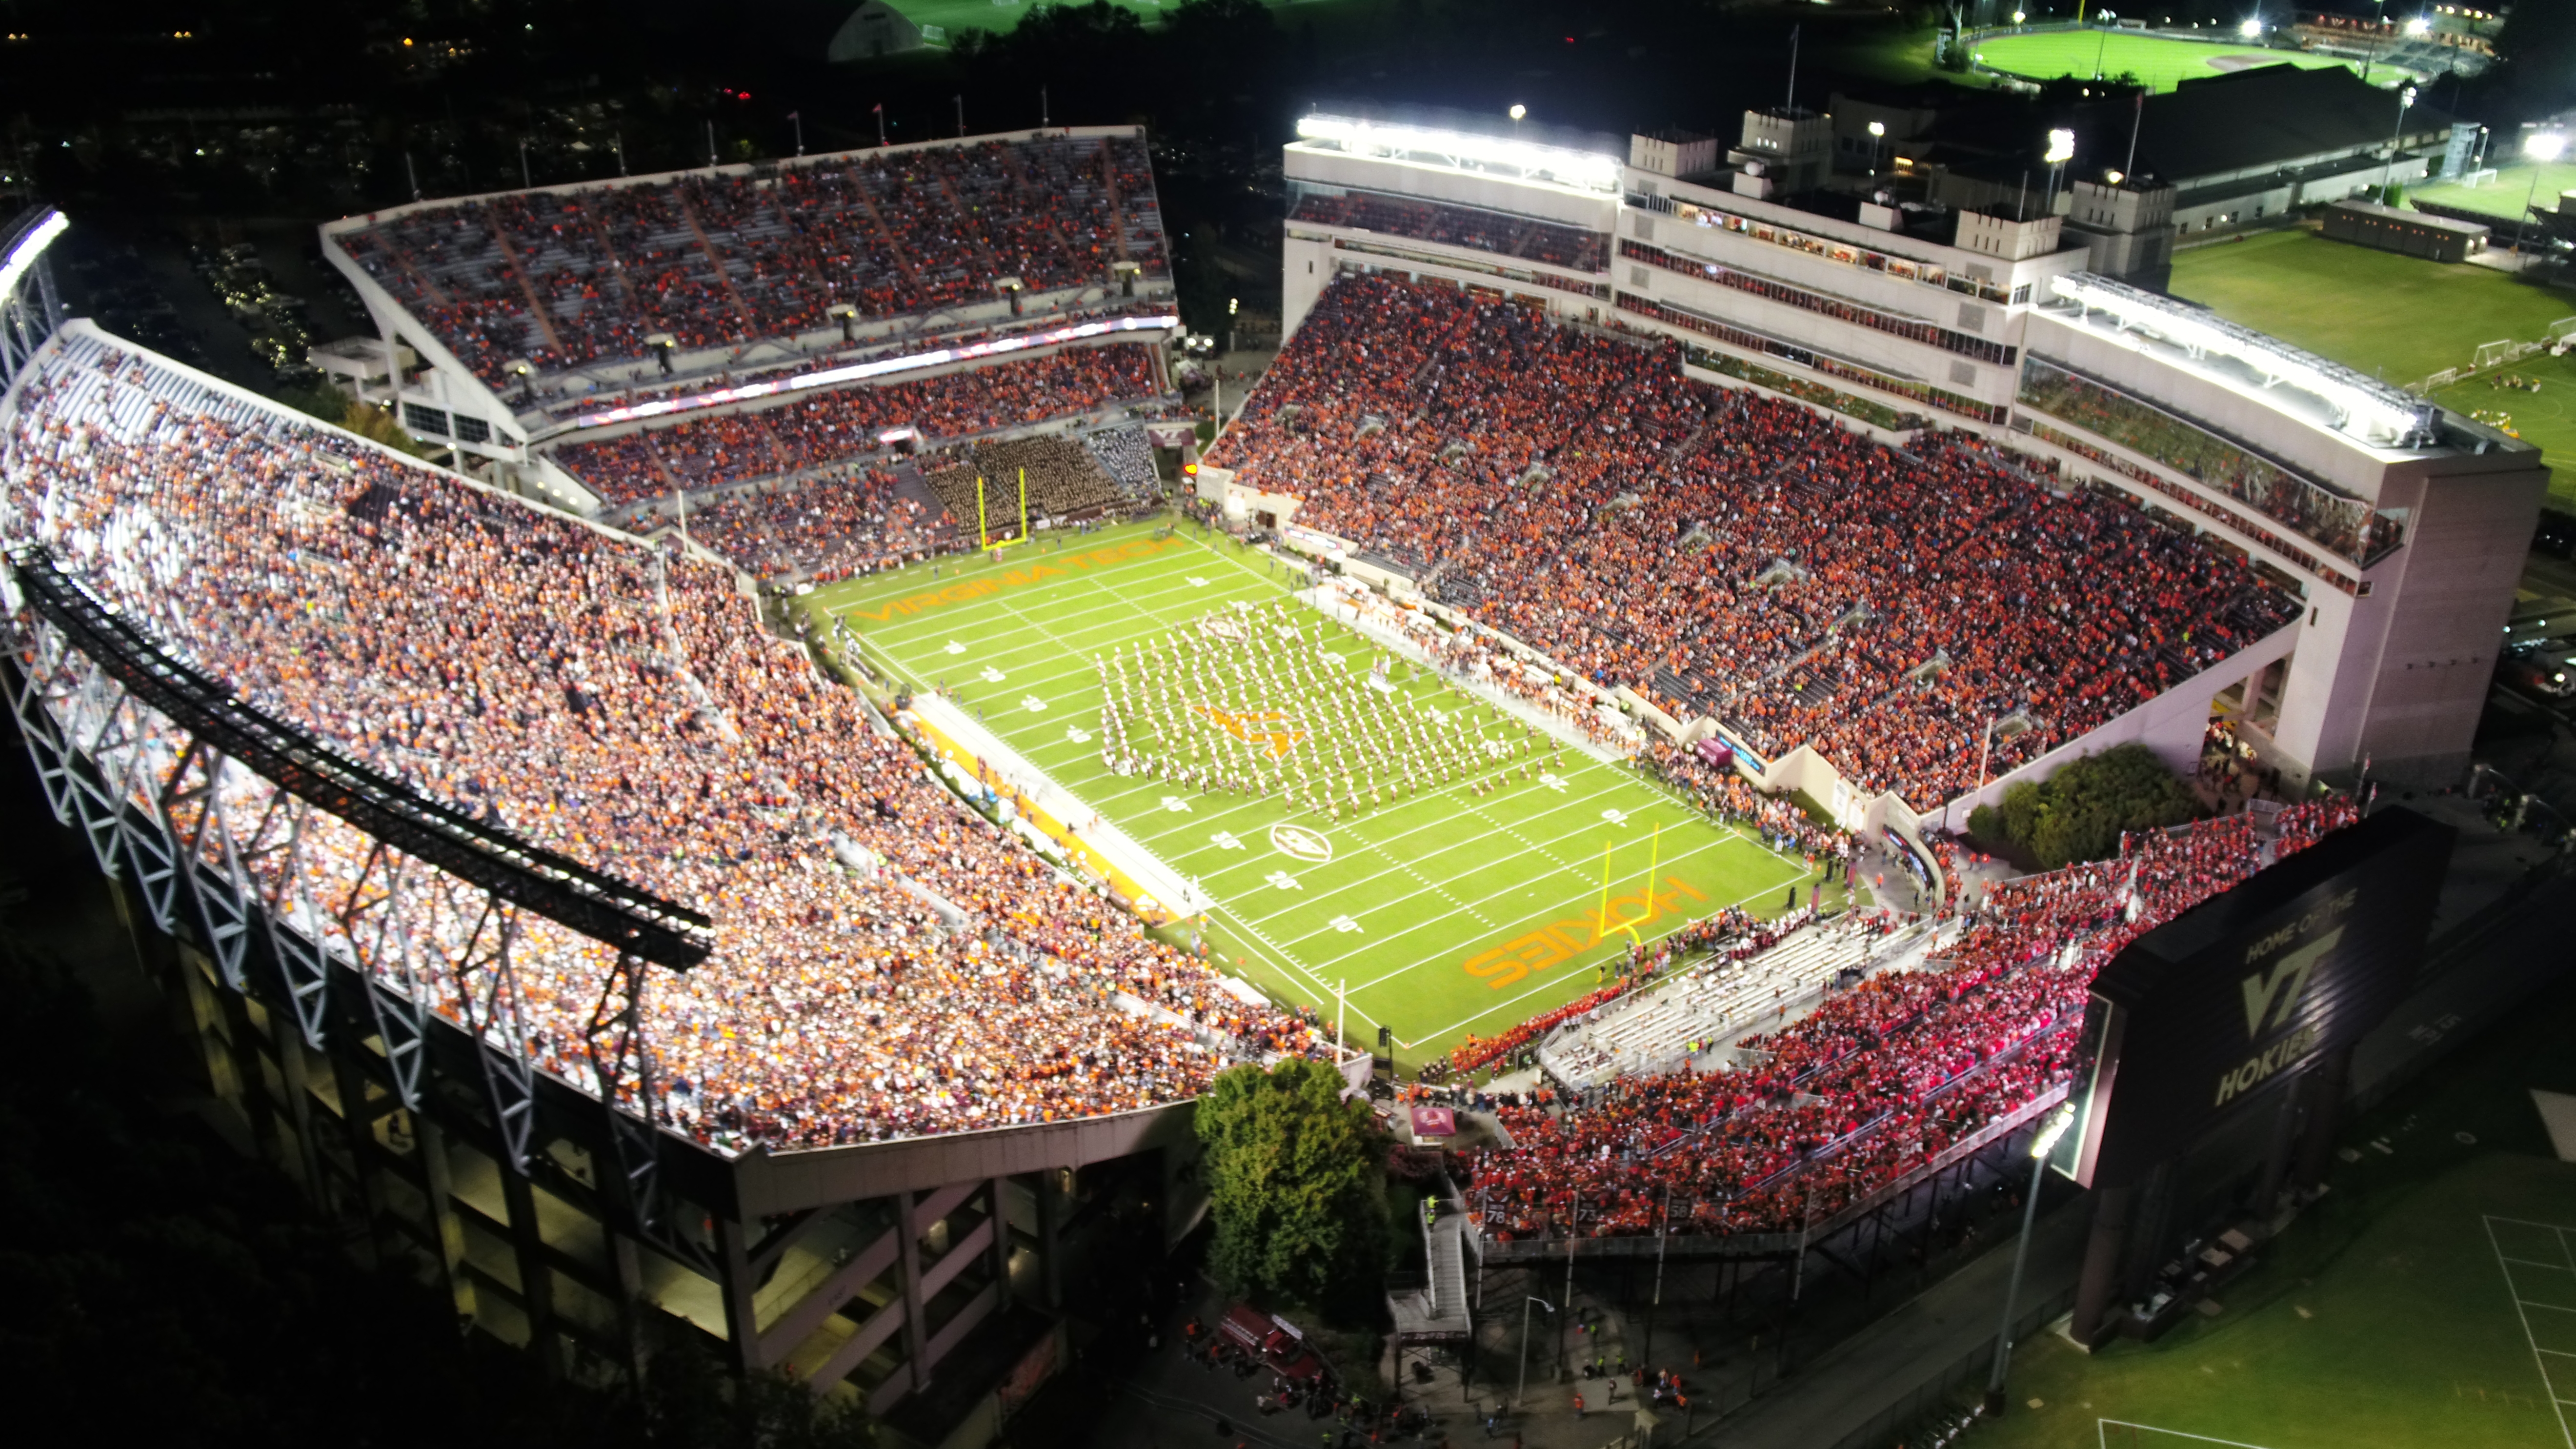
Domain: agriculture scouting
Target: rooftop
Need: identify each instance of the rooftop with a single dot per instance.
(2301, 385)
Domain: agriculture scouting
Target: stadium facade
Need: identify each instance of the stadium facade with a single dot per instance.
(2398, 525)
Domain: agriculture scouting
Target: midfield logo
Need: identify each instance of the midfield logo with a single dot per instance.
(1311, 846)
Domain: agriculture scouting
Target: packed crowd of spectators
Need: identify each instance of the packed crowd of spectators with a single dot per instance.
(1064, 480)
(827, 530)
(1128, 458)
(1726, 795)
(1881, 1079)
(1729, 554)
(1458, 226)
(566, 278)
(826, 429)
(885, 963)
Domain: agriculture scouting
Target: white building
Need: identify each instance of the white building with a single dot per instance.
(2401, 527)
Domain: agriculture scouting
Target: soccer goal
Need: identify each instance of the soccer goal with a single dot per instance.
(2121, 1434)
(2491, 354)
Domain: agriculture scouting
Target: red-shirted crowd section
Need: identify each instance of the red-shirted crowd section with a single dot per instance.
(830, 428)
(1731, 555)
(1881, 1079)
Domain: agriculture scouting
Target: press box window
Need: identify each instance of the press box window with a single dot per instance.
(425, 419)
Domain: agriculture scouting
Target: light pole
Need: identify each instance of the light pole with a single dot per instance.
(2388, 178)
(1663, 1234)
(1877, 132)
(1573, 1220)
(1524, 1384)
(524, 183)
(2061, 149)
(2539, 148)
(2040, 1147)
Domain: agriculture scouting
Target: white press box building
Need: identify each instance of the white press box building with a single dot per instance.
(2402, 527)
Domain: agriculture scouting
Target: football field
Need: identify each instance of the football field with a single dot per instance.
(1459, 907)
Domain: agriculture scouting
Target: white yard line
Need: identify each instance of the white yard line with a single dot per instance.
(1465, 1021)
(2522, 1307)
(2103, 1427)
(1424, 922)
(1444, 824)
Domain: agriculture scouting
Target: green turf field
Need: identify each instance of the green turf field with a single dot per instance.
(2156, 61)
(2401, 318)
(2425, 1300)
(1446, 913)
(2513, 187)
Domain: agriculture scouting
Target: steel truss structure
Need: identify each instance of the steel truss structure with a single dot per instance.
(359, 997)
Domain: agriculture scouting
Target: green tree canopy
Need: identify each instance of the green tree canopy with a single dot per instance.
(1298, 1199)
(2079, 812)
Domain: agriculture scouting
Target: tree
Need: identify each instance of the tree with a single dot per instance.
(2080, 812)
(1293, 1173)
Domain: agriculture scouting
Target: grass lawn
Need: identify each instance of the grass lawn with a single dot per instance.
(1445, 912)
(2506, 194)
(2399, 317)
(2158, 62)
(2416, 1304)
(2405, 1335)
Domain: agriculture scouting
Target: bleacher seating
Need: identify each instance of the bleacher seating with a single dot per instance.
(830, 429)
(1816, 587)
(581, 276)
(1712, 1003)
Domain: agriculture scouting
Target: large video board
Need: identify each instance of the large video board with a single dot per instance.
(2190, 1022)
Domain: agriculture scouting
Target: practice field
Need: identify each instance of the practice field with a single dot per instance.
(2400, 318)
(2506, 194)
(1445, 912)
(2158, 63)
(2428, 1299)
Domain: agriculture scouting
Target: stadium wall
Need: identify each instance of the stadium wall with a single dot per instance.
(2396, 649)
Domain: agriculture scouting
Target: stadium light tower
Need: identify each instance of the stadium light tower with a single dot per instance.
(2539, 148)
(1877, 133)
(2041, 1144)
(2061, 149)
(2418, 28)
(2252, 28)
(2388, 177)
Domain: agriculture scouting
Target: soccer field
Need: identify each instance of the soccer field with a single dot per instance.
(1446, 912)
(2399, 318)
(2157, 62)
